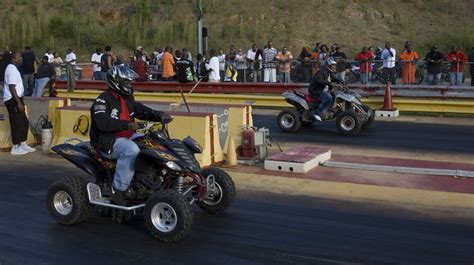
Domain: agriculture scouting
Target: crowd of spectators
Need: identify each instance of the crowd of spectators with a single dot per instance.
(257, 64)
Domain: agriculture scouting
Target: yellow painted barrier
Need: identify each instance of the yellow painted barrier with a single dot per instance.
(5, 130)
(74, 122)
(464, 106)
(43, 106)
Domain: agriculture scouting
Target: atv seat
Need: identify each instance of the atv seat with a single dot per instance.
(95, 154)
(312, 100)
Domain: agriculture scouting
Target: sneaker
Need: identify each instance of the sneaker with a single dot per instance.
(17, 150)
(119, 198)
(27, 148)
(317, 117)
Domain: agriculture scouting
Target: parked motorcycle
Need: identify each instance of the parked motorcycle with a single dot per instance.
(167, 181)
(347, 110)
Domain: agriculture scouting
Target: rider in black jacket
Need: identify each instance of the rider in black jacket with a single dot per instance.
(321, 85)
(113, 126)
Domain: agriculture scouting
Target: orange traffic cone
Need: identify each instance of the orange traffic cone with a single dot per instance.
(387, 101)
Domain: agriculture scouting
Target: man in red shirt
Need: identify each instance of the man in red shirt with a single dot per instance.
(140, 67)
(457, 58)
(365, 58)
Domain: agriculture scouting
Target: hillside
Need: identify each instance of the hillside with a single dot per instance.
(87, 24)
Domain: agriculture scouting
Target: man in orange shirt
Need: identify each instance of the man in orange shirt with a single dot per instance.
(167, 64)
(409, 58)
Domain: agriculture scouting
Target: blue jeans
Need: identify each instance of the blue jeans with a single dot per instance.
(326, 100)
(125, 151)
(455, 79)
(433, 79)
(365, 78)
(99, 75)
(28, 84)
(284, 77)
(39, 86)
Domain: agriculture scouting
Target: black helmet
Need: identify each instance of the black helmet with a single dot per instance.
(119, 78)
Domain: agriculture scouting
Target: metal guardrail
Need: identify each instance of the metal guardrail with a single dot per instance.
(277, 101)
(415, 91)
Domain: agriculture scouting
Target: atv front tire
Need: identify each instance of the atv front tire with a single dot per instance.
(348, 124)
(222, 197)
(289, 120)
(168, 216)
(68, 202)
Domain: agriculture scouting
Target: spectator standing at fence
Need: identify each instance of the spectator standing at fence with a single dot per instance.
(269, 63)
(409, 58)
(95, 60)
(221, 58)
(185, 71)
(158, 54)
(70, 69)
(28, 67)
(457, 58)
(201, 70)
(50, 55)
(434, 60)
(140, 67)
(323, 56)
(389, 58)
(107, 60)
(167, 64)
(340, 58)
(305, 59)
(57, 62)
(13, 100)
(471, 65)
(45, 73)
(254, 58)
(240, 65)
(213, 67)
(365, 65)
(314, 59)
(284, 59)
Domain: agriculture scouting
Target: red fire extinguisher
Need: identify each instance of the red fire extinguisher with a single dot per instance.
(248, 143)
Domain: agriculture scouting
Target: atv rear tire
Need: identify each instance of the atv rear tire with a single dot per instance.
(168, 216)
(289, 120)
(348, 124)
(224, 195)
(68, 202)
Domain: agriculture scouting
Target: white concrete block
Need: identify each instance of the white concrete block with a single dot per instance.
(300, 159)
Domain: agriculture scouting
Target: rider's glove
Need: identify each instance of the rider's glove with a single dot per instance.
(166, 118)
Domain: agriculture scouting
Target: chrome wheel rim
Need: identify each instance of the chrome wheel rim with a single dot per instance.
(287, 121)
(214, 197)
(63, 203)
(164, 217)
(348, 123)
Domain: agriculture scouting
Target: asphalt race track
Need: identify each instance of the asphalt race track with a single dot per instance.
(406, 136)
(261, 228)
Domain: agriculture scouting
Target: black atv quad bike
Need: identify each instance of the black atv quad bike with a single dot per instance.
(167, 181)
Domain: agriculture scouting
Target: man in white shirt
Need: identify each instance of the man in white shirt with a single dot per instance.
(13, 100)
(50, 55)
(213, 67)
(95, 60)
(255, 61)
(221, 58)
(269, 63)
(389, 58)
(70, 70)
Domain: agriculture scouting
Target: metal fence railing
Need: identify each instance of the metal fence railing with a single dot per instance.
(353, 72)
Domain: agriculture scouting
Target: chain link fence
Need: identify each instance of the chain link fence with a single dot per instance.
(405, 72)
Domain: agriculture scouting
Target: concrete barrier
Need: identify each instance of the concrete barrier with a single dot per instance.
(5, 130)
(41, 107)
(74, 122)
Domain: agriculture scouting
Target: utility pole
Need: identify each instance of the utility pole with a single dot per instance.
(199, 26)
